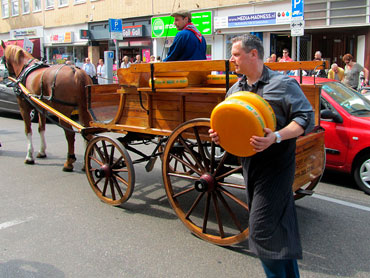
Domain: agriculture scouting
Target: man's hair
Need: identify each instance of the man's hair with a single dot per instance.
(333, 65)
(250, 42)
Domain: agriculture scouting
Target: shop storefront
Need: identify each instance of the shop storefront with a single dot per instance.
(66, 43)
(328, 28)
(33, 35)
(136, 39)
(163, 32)
(270, 23)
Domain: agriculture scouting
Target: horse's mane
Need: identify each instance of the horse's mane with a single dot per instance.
(17, 53)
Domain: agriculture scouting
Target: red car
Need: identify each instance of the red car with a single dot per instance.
(345, 116)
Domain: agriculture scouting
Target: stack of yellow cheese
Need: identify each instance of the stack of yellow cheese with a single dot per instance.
(216, 79)
(238, 118)
(170, 80)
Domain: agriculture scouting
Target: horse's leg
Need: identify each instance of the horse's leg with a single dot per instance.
(70, 136)
(25, 113)
(42, 123)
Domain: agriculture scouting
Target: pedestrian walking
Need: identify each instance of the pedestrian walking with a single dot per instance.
(89, 68)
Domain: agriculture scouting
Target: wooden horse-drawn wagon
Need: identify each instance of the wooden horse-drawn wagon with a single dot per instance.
(203, 183)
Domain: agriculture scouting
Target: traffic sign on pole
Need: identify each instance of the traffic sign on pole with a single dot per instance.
(297, 9)
(297, 27)
(115, 25)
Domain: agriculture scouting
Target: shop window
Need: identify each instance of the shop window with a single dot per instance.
(25, 6)
(36, 5)
(4, 8)
(15, 7)
(49, 4)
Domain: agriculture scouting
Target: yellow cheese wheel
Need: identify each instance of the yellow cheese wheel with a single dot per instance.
(236, 122)
(169, 82)
(216, 79)
(262, 105)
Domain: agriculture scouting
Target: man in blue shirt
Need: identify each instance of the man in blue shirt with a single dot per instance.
(189, 44)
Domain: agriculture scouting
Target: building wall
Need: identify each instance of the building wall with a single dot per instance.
(100, 10)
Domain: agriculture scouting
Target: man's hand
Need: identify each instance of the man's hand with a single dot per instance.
(260, 144)
(214, 136)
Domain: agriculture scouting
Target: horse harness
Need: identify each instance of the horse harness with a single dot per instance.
(28, 68)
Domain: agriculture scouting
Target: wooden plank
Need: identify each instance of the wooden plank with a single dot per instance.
(193, 90)
(303, 65)
(181, 66)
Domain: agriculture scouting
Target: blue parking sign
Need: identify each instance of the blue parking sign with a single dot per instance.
(297, 9)
(115, 25)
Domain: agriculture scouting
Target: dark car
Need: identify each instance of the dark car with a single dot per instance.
(8, 101)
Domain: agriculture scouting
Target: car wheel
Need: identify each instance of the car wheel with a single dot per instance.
(34, 115)
(361, 173)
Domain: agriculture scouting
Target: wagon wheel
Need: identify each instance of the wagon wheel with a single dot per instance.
(206, 194)
(109, 170)
(176, 166)
(317, 161)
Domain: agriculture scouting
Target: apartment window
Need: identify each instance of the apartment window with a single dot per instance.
(15, 7)
(4, 8)
(49, 4)
(36, 5)
(79, 1)
(62, 3)
(25, 6)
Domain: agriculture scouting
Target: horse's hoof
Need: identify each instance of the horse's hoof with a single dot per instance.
(68, 169)
(29, 162)
(39, 155)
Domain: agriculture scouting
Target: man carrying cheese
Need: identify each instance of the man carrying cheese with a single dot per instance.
(269, 174)
(189, 43)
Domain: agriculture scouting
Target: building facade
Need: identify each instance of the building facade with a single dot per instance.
(73, 29)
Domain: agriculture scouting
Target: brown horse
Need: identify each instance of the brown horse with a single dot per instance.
(60, 86)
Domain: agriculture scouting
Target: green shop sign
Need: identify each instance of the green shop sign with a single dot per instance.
(163, 26)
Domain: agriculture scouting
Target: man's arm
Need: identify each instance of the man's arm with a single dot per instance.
(176, 49)
(292, 130)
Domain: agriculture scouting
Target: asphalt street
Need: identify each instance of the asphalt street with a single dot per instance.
(53, 225)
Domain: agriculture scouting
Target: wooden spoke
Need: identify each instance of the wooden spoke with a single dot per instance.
(206, 213)
(218, 217)
(194, 205)
(215, 218)
(105, 187)
(232, 214)
(200, 149)
(115, 168)
(178, 159)
(183, 192)
(116, 186)
(99, 153)
(235, 199)
(232, 171)
(112, 189)
(192, 153)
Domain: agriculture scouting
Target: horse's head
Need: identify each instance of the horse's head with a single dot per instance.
(15, 58)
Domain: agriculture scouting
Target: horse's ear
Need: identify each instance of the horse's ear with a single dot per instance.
(3, 44)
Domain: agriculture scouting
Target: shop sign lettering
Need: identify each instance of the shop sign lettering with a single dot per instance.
(132, 31)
